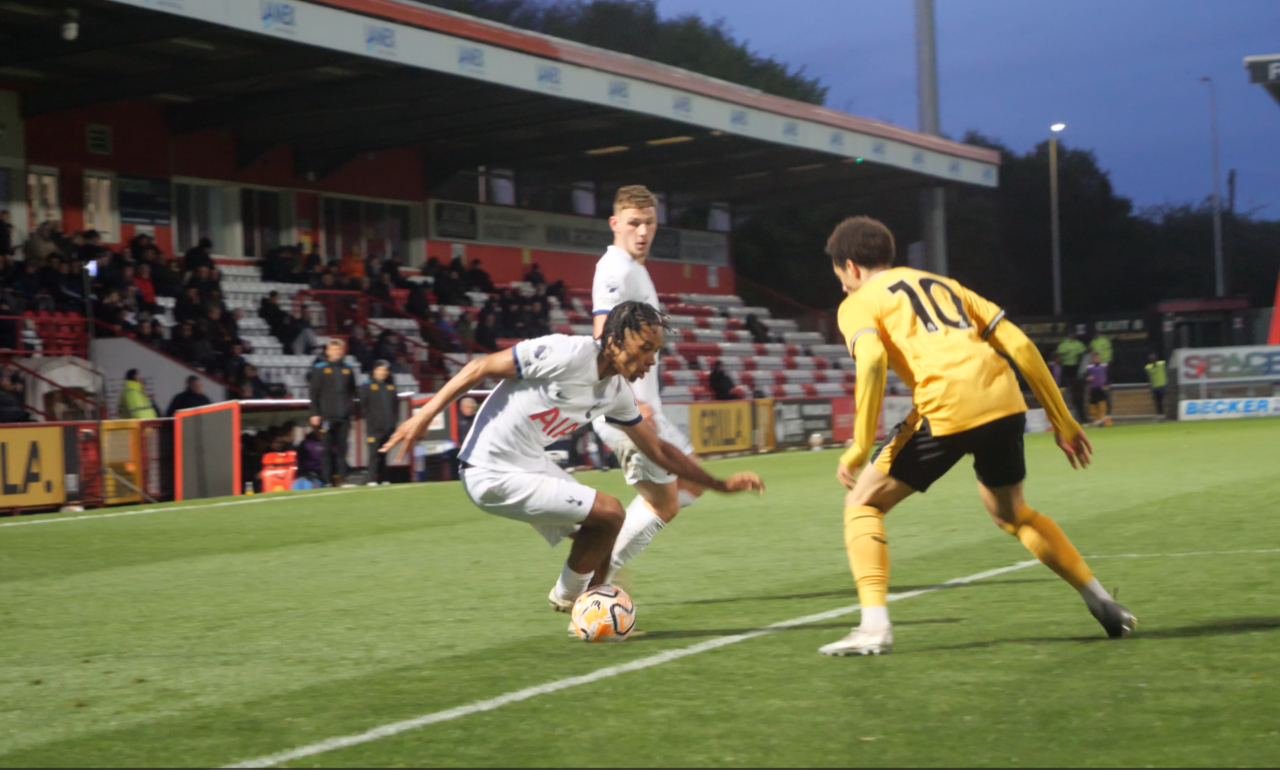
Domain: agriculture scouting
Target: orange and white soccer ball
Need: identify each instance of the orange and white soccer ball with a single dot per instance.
(604, 614)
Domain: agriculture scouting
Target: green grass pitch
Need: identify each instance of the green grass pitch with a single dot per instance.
(214, 635)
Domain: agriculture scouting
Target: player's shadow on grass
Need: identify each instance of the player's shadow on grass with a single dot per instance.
(1231, 627)
(849, 592)
(695, 633)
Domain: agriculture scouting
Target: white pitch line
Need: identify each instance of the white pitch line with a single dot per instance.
(139, 512)
(1175, 555)
(386, 731)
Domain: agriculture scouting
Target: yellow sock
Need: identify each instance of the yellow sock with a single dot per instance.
(868, 548)
(1048, 543)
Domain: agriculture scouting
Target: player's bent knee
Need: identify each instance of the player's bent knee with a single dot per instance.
(607, 513)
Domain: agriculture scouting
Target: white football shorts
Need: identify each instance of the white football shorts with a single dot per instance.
(636, 466)
(550, 501)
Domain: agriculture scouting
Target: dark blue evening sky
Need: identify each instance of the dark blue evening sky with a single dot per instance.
(1122, 74)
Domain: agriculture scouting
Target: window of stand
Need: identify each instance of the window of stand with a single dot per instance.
(375, 228)
(101, 210)
(198, 210)
(260, 217)
(43, 203)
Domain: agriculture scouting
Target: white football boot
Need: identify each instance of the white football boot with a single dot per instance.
(558, 604)
(860, 642)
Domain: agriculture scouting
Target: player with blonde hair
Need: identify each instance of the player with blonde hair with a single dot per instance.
(621, 276)
(946, 343)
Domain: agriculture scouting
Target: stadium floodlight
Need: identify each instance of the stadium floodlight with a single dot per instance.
(1056, 127)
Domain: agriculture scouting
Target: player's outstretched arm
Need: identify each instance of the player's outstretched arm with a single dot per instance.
(1009, 339)
(674, 461)
(873, 372)
(495, 366)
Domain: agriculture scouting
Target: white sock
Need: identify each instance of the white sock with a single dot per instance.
(686, 498)
(637, 532)
(875, 618)
(571, 584)
(1094, 594)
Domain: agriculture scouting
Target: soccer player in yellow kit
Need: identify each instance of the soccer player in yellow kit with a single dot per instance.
(945, 343)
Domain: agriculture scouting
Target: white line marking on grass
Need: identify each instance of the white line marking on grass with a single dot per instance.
(1173, 555)
(386, 731)
(139, 512)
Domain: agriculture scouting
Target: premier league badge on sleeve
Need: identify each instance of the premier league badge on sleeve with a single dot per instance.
(612, 286)
(541, 352)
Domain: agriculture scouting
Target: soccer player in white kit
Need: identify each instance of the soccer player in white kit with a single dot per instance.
(621, 277)
(550, 386)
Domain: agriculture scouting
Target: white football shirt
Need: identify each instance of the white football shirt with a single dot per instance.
(618, 279)
(557, 390)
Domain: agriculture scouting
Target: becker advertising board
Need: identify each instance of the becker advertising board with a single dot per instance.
(31, 467)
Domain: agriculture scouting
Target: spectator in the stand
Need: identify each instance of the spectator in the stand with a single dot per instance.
(214, 331)
(188, 306)
(139, 246)
(184, 346)
(432, 268)
(758, 331)
(387, 346)
(190, 398)
(391, 269)
(1158, 377)
(199, 256)
(8, 327)
(352, 265)
(6, 233)
(145, 288)
(450, 289)
(333, 395)
(361, 347)
(478, 278)
(536, 320)
(232, 323)
(149, 334)
(418, 303)
(70, 295)
(722, 384)
(380, 289)
(232, 362)
(465, 330)
(165, 276)
(39, 243)
(50, 276)
(380, 405)
(454, 342)
(486, 335)
(250, 384)
(12, 400)
(535, 277)
(134, 403)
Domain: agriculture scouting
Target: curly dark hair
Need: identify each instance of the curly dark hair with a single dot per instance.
(630, 316)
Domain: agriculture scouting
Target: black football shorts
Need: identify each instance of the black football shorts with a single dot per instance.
(917, 458)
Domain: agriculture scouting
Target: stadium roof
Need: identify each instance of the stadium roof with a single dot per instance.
(1265, 70)
(336, 78)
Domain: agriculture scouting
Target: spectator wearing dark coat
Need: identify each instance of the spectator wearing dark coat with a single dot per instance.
(721, 383)
(190, 398)
(200, 256)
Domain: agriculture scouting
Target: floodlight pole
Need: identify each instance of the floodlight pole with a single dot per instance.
(1054, 225)
(933, 201)
(1219, 262)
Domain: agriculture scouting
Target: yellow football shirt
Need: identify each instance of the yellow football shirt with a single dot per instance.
(935, 331)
